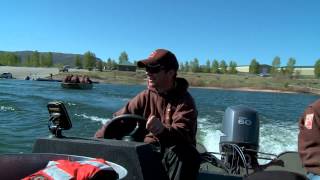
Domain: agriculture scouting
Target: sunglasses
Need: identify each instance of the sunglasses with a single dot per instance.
(154, 70)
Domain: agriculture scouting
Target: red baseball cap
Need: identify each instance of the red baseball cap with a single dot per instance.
(160, 57)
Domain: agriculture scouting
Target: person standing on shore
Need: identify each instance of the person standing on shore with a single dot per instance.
(309, 140)
(171, 115)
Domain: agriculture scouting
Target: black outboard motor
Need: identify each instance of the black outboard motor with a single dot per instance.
(240, 143)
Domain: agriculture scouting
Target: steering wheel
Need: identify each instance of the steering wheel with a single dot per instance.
(129, 127)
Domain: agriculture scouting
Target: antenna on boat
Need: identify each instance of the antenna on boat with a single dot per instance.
(58, 118)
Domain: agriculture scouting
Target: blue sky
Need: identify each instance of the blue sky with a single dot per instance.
(237, 30)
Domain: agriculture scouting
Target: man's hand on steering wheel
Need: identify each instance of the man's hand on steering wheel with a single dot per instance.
(154, 125)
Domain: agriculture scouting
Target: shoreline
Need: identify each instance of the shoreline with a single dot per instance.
(247, 89)
(33, 72)
(40, 72)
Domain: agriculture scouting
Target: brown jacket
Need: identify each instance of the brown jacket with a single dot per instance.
(176, 109)
(309, 138)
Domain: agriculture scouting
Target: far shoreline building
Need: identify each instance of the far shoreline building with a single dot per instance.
(304, 70)
(127, 66)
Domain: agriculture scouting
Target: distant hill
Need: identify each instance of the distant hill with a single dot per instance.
(57, 57)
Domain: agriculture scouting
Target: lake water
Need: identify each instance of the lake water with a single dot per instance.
(24, 115)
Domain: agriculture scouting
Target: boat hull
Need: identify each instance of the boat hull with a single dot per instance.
(77, 85)
(47, 79)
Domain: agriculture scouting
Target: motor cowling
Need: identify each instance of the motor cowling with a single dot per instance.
(241, 126)
(240, 142)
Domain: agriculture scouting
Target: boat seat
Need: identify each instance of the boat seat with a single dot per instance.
(138, 158)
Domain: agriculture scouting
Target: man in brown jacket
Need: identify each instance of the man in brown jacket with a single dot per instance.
(309, 140)
(171, 115)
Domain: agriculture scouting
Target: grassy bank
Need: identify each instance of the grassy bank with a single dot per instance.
(306, 84)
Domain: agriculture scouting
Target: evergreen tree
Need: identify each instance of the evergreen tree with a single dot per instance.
(186, 66)
(28, 61)
(2, 59)
(195, 65)
(290, 66)
(223, 66)
(15, 60)
(46, 59)
(123, 58)
(275, 65)
(254, 66)
(215, 66)
(89, 60)
(35, 59)
(233, 67)
(49, 62)
(317, 69)
(109, 64)
(207, 67)
(42, 59)
(78, 62)
(9, 59)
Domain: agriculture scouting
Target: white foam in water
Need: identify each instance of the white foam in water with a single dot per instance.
(211, 141)
(211, 136)
(93, 118)
(274, 138)
(6, 108)
(71, 104)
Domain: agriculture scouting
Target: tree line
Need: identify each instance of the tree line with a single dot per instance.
(89, 61)
(35, 59)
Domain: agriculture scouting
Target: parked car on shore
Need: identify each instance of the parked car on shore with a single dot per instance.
(64, 68)
(264, 75)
